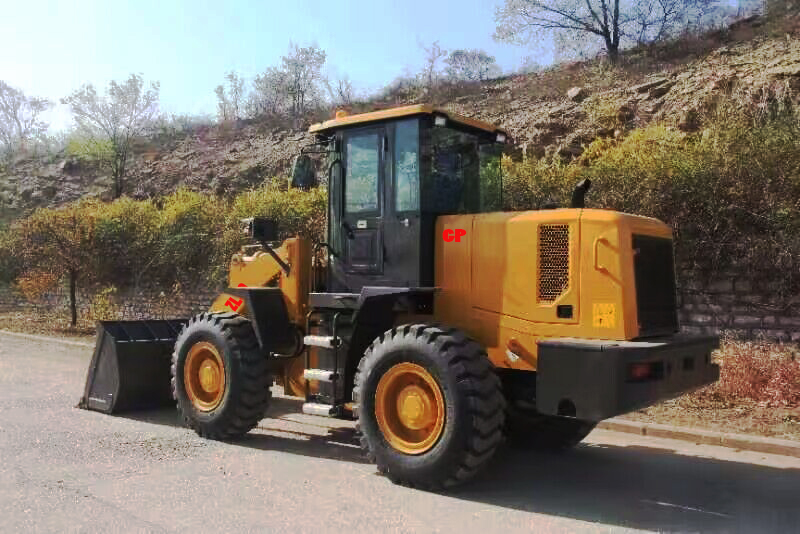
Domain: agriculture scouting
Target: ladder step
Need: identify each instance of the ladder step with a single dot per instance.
(314, 408)
(327, 342)
(320, 375)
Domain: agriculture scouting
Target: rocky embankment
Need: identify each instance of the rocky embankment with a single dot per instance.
(556, 112)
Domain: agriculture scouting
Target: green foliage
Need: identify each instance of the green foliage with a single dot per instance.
(90, 150)
(129, 233)
(729, 192)
(191, 227)
(184, 239)
(102, 306)
(297, 213)
(10, 261)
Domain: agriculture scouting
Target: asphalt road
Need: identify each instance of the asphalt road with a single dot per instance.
(68, 470)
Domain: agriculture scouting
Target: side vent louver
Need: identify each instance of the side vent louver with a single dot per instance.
(553, 267)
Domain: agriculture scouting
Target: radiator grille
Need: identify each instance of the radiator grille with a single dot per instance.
(553, 261)
(656, 299)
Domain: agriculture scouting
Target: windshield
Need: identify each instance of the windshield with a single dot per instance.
(465, 173)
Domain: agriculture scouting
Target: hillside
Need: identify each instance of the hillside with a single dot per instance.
(558, 111)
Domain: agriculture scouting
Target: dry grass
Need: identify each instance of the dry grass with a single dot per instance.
(44, 324)
(758, 393)
(764, 372)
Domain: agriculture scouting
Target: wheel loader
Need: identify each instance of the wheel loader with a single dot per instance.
(441, 323)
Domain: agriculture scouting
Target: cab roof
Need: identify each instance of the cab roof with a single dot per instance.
(343, 119)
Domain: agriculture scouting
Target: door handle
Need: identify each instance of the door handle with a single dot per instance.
(349, 230)
(405, 222)
(597, 264)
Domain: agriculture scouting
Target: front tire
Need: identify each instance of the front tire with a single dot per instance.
(220, 378)
(430, 407)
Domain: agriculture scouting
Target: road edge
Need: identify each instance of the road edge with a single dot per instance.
(50, 339)
(745, 442)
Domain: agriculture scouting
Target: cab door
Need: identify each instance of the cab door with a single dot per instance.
(363, 203)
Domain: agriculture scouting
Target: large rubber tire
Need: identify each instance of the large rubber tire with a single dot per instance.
(247, 392)
(532, 431)
(473, 401)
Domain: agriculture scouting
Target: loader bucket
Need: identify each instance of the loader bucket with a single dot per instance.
(130, 368)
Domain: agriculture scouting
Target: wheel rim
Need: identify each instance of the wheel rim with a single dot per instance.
(409, 407)
(204, 376)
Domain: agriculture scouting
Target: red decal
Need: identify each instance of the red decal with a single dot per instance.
(233, 303)
(454, 235)
(241, 285)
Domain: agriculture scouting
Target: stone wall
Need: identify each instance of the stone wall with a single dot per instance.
(145, 303)
(730, 303)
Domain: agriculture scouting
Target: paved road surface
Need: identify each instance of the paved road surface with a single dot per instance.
(67, 470)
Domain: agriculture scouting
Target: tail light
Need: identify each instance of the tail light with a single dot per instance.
(645, 371)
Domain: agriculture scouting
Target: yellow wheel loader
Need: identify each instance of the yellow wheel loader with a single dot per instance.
(439, 322)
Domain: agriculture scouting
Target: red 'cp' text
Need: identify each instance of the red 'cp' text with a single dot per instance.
(454, 235)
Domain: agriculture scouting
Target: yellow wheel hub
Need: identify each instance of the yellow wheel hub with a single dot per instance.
(204, 376)
(409, 408)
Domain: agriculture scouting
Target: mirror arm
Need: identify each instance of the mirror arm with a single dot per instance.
(283, 265)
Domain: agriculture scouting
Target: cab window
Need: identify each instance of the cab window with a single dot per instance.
(361, 174)
(406, 166)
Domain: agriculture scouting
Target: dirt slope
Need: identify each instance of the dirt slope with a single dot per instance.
(558, 111)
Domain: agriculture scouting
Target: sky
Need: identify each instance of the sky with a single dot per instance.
(52, 48)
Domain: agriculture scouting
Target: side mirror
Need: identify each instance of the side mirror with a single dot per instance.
(303, 176)
(260, 229)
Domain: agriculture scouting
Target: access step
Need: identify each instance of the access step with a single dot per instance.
(320, 375)
(325, 410)
(326, 342)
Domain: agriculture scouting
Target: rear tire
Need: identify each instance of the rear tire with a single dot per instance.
(467, 388)
(244, 380)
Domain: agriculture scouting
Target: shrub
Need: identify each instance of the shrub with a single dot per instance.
(10, 261)
(758, 370)
(191, 227)
(102, 306)
(729, 192)
(129, 233)
(296, 212)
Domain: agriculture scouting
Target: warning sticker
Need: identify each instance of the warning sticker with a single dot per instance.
(604, 315)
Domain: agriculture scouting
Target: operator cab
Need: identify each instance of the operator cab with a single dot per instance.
(391, 173)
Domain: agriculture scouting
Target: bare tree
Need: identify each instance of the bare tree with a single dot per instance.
(611, 22)
(471, 65)
(19, 118)
(270, 93)
(230, 101)
(654, 20)
(340, 91)
(125, 112)
(434, 53)
(528, 65)
(303, 69)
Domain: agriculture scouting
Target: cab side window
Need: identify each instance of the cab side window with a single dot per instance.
(406, 166)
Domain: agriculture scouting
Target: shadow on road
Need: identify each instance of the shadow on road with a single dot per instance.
(630, 486)
(279, 432)
(645, 488)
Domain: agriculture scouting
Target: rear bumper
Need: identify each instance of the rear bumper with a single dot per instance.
(592, 376)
